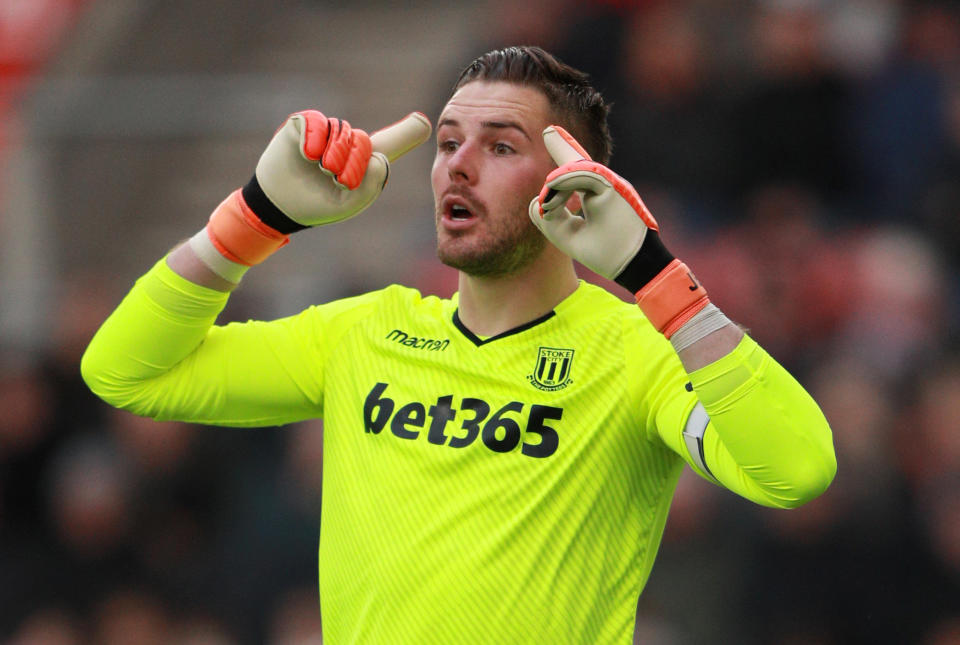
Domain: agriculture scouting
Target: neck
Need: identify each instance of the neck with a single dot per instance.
(492, 305)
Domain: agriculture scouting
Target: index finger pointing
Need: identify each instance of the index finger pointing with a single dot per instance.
(398, 139)
(562, 146)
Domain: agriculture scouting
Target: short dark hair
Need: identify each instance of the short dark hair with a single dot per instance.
(576, 104)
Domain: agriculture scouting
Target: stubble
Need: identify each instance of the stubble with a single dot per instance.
(505, 246)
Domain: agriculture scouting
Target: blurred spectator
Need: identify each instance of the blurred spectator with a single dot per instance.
(929, 430)
(303, 467)
(512, 23)
(897, 121)
(819, 570)
(201, 630)
(652, 630)
(90, 501)
(48, 626)
(25, 437)
(780, 272)
(129, 617)
(789, 124)
(670, 114)
(859, 36)
(156, 449)
(897, 303)
(697, 566)
(296, 619)
(944, 633)
(24, 415)
(938, 203)
(928, 444)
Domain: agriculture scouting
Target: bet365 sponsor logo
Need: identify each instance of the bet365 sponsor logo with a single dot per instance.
(460, 422)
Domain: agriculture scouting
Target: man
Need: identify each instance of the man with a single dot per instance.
(498, 466)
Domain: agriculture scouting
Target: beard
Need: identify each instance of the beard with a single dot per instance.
(505, 245)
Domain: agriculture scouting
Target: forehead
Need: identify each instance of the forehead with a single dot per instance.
(486, 100)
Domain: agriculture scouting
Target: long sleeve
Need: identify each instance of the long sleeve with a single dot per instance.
(767, 439)
(160, 355)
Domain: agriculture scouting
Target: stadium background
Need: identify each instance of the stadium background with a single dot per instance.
(802, 156)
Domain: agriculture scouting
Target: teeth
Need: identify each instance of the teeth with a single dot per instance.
(459, 212)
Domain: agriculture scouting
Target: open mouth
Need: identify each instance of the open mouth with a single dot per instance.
(458, 210)
(459, 213)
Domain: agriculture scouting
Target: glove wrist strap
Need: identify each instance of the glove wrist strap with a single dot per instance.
(672, 298)
(664, 286)
(239, 235)
(649, 261)
(266, 211)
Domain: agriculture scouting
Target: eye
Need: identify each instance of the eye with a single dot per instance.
(448, 145)
(503, 149)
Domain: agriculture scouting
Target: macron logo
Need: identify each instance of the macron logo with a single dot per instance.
(415, 342)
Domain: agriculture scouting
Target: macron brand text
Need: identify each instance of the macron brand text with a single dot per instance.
(416, 342)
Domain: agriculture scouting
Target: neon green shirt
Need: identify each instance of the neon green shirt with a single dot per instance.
(507, 490)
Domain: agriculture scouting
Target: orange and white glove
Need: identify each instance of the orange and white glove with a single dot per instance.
(316, 170)
(616, 236)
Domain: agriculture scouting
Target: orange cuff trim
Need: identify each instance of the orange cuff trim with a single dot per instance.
(239, 235)
(672, 298)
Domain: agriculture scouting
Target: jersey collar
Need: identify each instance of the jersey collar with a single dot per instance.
(476, 340)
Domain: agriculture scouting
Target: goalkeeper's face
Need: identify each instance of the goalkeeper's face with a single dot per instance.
(491, 161)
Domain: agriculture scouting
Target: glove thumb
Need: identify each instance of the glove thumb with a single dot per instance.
(375, 178)
(562, 146)
(398, 139)
(389, 144)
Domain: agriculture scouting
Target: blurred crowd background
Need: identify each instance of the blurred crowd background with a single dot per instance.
(802, 156)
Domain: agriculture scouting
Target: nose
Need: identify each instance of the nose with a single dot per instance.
(462, 163)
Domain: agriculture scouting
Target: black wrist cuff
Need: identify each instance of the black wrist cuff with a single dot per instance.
(268, 213)
(652, 258)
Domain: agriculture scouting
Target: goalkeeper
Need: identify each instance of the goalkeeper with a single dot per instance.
(498, 466)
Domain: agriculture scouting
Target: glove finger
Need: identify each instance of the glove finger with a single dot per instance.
(403, 136)
(375, 176)
(339, 142)
(314, 129)
(536, 213)
(374, 179)
(550, 199)
(562, 215)
(561, 145)
(355, 164)
(577, 180)
(592, 179)
(556, 224)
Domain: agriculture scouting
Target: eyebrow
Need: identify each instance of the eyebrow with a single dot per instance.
(498, 125)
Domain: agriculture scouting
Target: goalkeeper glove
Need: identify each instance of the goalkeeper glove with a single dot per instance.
(316, 170)
(616, 236)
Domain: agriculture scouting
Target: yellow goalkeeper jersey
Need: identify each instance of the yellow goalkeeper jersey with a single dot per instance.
(512, 489)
